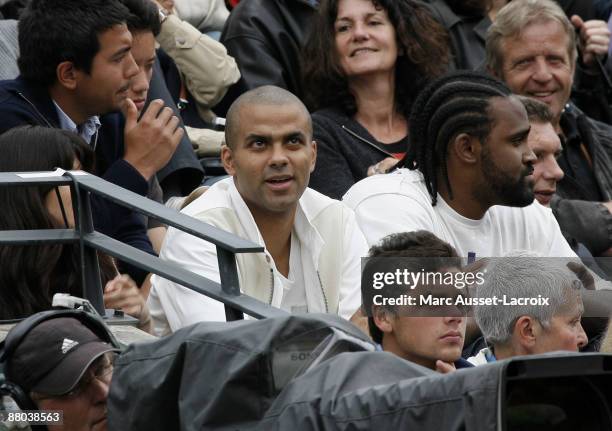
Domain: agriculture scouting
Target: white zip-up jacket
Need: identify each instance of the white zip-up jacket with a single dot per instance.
(331, 247)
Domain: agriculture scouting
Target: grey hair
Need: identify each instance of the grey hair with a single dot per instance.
(522, 276)
(513, 18)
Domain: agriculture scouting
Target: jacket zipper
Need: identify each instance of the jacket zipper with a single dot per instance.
(362, 139)
(323, 292)
(271, 285)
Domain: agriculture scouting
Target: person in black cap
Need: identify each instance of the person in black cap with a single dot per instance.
(63, 365)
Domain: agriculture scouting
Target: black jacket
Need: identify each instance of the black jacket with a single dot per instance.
(266, 38)
(467, 34)
(21, 104)
(579, 217)
(183, 173)
(345, 151)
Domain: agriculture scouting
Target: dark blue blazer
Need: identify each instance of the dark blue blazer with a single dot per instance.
(22, 103)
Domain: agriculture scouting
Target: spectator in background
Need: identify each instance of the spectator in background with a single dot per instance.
(546, 145)
(64, 364)
(570, 214)
(198, 72)
(431, 341)
(312, 244)
(573, 215)
(208, 16)
(531, 46)
(468, 21)
(72, 74)
(467, 176)
(266, 38)
(514, 330)
(181, 174)
(31, 275)
(145, 23)
(364, 65)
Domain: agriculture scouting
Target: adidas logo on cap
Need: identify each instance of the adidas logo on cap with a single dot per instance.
(68, 344)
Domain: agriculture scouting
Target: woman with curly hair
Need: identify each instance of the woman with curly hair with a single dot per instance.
(364, 64)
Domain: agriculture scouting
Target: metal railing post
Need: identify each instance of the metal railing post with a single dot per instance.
(90, 268)
(228, 273)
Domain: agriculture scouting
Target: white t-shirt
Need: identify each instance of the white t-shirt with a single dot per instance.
(400, 202)
(294, 295)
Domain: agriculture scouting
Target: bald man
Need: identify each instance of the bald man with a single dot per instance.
(312, 244)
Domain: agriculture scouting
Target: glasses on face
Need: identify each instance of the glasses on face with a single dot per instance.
(101, 369)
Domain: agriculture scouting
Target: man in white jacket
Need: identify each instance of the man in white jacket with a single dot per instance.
(312, 243)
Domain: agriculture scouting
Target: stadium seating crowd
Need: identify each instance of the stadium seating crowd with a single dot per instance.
(425, 136)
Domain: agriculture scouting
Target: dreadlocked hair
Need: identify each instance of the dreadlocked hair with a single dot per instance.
(455, 103)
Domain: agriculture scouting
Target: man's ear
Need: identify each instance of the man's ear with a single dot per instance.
(526, 330)
(466, 148)
(227, 158)
(67, 75)
(314, 156)
(382, 319)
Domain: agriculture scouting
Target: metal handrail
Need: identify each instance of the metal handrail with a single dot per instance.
(84, 184)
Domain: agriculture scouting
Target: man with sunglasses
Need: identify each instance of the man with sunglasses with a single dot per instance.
(64, 366)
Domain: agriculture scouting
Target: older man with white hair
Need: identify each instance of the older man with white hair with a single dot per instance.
(528, 326)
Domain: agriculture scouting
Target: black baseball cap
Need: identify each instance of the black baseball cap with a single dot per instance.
(54, 356)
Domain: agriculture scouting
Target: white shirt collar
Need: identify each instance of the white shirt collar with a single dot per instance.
(303, 228)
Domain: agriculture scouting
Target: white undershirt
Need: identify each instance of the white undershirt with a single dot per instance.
(294, 294)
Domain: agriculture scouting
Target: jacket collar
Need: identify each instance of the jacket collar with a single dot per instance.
(38, 98)
(481, 28)
(569, 124)
(302, 225)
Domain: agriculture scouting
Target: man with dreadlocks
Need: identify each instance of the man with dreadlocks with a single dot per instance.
(467, 176)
